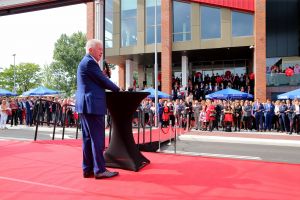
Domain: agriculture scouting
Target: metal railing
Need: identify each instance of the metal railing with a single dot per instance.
(58, 115)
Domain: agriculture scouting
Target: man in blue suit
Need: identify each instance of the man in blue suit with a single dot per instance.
(269, 113)
(91, 105)
(258, 110)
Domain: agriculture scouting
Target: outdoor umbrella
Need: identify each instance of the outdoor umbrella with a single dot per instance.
(160, 95)
(40, 91)
(229, 94)
(290, 95)
(4, 92)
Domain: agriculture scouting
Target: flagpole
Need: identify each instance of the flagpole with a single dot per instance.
(155, 66)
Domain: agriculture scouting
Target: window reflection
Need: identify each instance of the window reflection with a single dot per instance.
(242, 24)
(210, 22)
(150, 21)
(128, 22)
(109, 23)
(181, 21)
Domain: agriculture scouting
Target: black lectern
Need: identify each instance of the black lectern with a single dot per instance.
(122, 151)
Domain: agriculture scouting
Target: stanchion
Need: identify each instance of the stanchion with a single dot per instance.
(159, 128)
(139, 124)
(110, 127)
(143, 123)
(175, 135)
(187, 122)
(170, 135)
(77, 126)
(180, 124)
(55, 121)
(151, 122)
(38, 120)
(64, 124)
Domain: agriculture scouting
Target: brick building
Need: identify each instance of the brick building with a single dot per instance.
(207, 36)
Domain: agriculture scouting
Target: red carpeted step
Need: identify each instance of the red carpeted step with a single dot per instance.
(41, 170)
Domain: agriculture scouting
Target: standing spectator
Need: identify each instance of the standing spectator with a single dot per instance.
(228, 117)
(165, 115)
(282, 115)
(196, 109)
(210, 114)
(290, 114)
(21, 107)
(276, 116)
(202, 119)
(4, 110)
(269, 113)
(29, 108)
(237, 116)
(14, 112)
(258, 110)
(296, 116)
(247, 115)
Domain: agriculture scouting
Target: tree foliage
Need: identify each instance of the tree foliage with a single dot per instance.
(27, 75)
(61, 73)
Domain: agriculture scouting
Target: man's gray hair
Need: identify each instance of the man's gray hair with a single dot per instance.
(92, 44)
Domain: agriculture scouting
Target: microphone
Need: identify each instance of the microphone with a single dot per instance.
(106, 69)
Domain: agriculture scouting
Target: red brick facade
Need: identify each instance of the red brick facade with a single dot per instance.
(166, 46)
(260, 88)
(90, 20)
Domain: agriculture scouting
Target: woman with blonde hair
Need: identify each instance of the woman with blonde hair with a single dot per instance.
(4, 109)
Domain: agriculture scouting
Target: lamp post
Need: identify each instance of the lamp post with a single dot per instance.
(14, 55)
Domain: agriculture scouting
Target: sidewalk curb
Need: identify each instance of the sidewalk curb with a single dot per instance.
(240, 140)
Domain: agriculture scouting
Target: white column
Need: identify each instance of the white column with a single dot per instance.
(99, 26)
(129, 74)
(184, 70)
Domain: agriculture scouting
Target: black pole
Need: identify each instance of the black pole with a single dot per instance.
(38, 120)
(77, 126)
(139, 118)
(143, 121)
(53, 134)
(64, 122)
(151, 122)
(110, 127)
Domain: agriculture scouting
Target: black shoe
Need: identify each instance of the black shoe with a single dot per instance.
(106, 174)
(88, 174)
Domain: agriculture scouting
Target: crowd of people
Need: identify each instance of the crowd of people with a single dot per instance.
(236, 115)
(27, 111)
(200, 85)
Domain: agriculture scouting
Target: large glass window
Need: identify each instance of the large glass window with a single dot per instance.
(128, 22)
(150, 21)
(210, 22)
(242, 24)
(181, 21)
(109, 18)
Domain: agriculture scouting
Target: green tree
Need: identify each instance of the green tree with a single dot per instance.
(28, 76)
(68, 52)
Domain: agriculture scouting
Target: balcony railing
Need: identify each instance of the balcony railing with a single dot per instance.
(280, 79)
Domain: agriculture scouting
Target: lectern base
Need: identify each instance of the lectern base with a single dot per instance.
(125, 163)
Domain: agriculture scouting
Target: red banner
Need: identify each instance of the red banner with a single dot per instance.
(244, 5)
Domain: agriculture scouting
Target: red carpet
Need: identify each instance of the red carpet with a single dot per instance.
(51, 170)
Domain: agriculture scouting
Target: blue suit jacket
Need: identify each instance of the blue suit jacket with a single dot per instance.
(91, 85)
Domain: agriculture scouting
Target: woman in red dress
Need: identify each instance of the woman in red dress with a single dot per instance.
(210, 114)
(228, 118)
(166, 115)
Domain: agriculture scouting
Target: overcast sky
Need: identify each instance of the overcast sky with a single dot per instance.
(31, 36)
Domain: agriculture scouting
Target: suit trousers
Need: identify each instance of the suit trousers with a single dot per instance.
(93, 136)
(259, 121)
